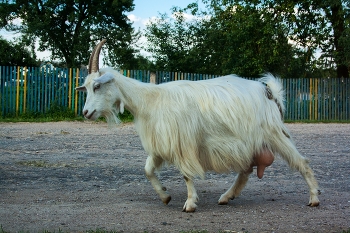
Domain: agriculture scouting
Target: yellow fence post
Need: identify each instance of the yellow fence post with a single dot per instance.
(17, 91)
(25, 90)
(316, 99)
(70, 89)
(310, 104)
(76, 93)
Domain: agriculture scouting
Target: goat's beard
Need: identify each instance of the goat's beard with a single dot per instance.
(112, 117)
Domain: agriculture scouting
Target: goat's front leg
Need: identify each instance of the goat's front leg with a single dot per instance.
(192, 197)
(236, 188)
(151, 164)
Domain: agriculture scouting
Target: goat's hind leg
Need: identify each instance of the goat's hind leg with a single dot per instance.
(236, 188)
(288, 151)
(192, 197)
(151, 164)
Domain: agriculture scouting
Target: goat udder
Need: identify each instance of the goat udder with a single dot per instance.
(262, 160)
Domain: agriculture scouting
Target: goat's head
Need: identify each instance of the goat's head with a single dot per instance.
(102, 97)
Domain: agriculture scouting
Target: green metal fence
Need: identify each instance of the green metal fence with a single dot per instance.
(36, 89)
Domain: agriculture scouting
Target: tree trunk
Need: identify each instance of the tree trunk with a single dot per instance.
(337, 19)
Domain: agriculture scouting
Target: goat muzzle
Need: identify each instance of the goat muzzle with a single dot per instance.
(88, 115)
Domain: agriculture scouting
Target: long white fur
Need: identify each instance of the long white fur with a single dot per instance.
(210, 125)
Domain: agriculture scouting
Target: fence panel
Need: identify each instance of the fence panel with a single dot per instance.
(37, 89)
(317, 99)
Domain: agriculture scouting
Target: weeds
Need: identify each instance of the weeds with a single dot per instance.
(43, 164)
(56, 113)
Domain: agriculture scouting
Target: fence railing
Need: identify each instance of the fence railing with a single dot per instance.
(37, 89)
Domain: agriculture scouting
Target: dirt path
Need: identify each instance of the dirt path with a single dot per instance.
(78, 176)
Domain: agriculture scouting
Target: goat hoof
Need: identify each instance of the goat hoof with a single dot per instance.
(166, 200)
(188, 207)
(223, 202)
(314, 204)
(189, 210)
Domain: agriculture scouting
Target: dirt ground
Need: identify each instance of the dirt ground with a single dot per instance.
(79, 176)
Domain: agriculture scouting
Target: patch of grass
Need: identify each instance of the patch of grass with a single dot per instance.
(101, 231)
(126, 116)
(38, 163)
(2, 230)
(43, 164)
(39, 119)
(318, 121)
(195, 231)
(57, 113)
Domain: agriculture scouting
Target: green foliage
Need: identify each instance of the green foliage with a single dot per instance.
(251, 37)
(58, 111)
(69, 29)
(314, 26)
(126, 116)
(55, 113)
(16, 54)
(234, 40)
(172, 43)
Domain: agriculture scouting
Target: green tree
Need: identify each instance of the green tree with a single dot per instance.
(171, 41)
(248, 43)
(16, 54)
(70, 29)
(234, 39)
(314, 24)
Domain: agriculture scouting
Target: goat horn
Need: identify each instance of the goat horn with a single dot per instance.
(94, 58)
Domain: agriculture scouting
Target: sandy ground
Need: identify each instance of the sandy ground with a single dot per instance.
(78, 176)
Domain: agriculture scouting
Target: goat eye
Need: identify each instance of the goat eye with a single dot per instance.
(97, 86)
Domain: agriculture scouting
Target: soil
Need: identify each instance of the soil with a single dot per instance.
(79, 176)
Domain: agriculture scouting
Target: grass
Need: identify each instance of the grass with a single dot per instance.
(318, 121)
(43, 164)
(57, 114)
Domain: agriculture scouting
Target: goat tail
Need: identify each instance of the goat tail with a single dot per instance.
(274, 90)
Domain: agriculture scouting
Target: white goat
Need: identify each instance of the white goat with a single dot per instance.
(223, 124)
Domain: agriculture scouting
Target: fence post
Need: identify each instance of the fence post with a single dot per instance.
(25, 90)
(152, 78)
(76, 93)
(70, 89)
(17, 92)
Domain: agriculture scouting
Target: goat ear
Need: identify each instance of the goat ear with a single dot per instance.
(105, 78)
(81, 88)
